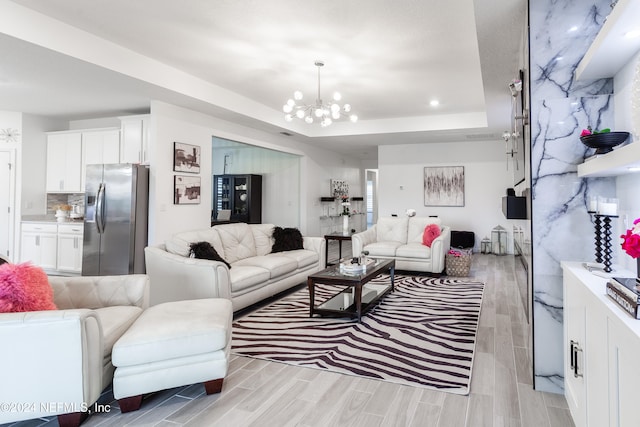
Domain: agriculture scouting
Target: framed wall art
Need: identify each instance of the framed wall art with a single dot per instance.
(186, 158)
(444, 186)
(339, 188)
(186, 190)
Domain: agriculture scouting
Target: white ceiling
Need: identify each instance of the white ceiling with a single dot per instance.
(242, 59)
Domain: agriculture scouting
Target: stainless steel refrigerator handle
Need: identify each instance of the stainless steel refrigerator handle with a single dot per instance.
(99, 209)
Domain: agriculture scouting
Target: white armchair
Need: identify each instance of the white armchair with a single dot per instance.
(58, 362)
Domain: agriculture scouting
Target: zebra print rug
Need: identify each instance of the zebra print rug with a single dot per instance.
(422, 334)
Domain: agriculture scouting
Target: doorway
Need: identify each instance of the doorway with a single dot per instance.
(371, 178)
(7, 208)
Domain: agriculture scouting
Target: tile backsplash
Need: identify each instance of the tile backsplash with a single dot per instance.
(63, 199)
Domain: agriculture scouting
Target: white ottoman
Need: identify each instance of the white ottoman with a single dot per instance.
(171, 345)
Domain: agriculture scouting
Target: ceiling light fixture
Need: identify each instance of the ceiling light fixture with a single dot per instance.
(325, 113)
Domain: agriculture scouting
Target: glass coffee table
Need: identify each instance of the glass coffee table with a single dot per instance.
(358, 294)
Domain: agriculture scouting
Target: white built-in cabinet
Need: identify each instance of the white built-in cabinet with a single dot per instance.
(64, 162)
(39, 244)
(56, 247)
(134, 139)
(601, 350)
(69, 256)
(69, 152)
(99, 146)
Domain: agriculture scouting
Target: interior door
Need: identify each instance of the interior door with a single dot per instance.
(6, 208)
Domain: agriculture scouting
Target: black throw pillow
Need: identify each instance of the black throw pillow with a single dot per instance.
(204, 250)
(286, 239)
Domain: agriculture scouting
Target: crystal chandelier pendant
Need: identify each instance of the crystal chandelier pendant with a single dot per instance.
(324, 113)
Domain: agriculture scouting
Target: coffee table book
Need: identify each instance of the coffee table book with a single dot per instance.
(623, 292)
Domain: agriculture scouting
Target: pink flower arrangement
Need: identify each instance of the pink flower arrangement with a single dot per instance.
(588, 131)
(631, 243)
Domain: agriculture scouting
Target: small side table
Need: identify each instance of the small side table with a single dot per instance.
(340, 238)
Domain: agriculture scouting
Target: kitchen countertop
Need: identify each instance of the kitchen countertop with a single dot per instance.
(50, 218)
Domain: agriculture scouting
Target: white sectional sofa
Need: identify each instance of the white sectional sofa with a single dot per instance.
(255, 272)
(400, 238)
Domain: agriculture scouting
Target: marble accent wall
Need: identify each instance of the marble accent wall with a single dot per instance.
(560, 34)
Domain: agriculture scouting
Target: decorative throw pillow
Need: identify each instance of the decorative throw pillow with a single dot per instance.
(286, 239)
(24, 287)
(431, 231)
(204, 250)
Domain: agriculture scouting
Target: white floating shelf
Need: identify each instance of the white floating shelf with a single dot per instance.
(611, 49)
(616, 162)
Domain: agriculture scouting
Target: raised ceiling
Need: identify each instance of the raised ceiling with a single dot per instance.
(241, 59)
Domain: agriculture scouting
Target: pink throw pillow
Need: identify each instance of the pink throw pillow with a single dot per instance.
(431, 231)
(24, 287)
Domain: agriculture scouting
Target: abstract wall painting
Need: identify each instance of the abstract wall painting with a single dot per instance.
(444, 186)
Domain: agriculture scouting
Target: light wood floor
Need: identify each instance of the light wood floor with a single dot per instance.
(260, 393)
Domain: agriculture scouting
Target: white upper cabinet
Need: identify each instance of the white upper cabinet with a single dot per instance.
(134, 139)
(98, 147)
(64, 162)
(101, 146)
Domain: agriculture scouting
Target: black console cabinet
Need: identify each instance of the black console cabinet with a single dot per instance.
(240, 194)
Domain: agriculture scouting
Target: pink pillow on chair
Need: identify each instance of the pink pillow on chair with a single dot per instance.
(24, 287)
(431, 231)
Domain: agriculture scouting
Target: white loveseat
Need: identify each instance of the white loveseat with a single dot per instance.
(57, 362)
(400, 238)
(255, 272)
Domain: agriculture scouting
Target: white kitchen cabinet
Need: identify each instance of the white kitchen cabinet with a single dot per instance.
(99, 146)
(69, 257)
(64, 162)
(624, 350)
(39, 244)
(601, 344)
(134, 140)
(574, 324)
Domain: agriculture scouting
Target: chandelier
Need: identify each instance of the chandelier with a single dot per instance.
(325, 113)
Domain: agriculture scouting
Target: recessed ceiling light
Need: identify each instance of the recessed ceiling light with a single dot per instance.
(572, 29)
(633, 168)
(434, 103)
(632, 34)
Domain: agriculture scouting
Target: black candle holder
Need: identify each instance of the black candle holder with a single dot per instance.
(598, 239)
(603, 240)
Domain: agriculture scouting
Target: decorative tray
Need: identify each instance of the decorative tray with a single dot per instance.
(348, 267)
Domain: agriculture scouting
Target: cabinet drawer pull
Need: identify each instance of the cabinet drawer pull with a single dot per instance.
(572, 355)
(578, 370)
(575, 349)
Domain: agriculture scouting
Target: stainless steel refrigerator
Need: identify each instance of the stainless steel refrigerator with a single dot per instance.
(115, 226)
